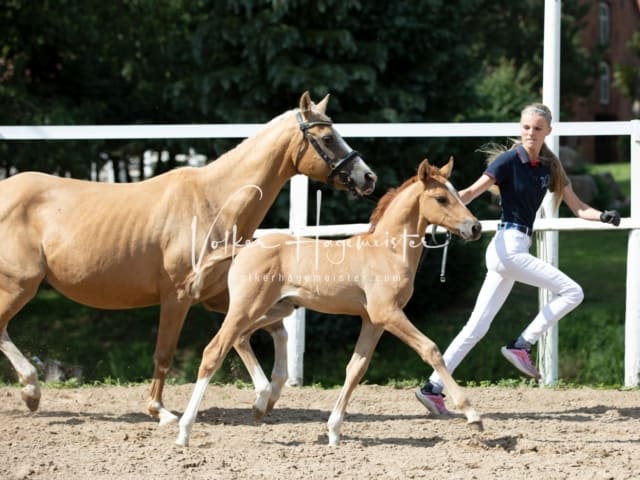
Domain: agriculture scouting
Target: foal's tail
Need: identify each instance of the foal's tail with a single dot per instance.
(195, 281)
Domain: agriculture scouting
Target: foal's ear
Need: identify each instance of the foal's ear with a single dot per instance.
(305, 102)
(322, 105)
(446, 170)
(423, 170)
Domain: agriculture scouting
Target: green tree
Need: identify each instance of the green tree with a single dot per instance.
(627, 76)
(178, 61)
(211, 61)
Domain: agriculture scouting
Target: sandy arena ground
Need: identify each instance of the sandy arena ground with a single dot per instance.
(102, 433)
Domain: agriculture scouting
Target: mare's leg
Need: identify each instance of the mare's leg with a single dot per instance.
(280, 372)
(212, 357)
(366, 344)
(172, 315)
(260, 381)
(396, 323)
(26, 372)
(13, 296)
(267, 394)
(272, 323)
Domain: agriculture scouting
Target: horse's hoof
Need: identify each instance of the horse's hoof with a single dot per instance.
(32, 402)
(166, 418)
(334, 439)
(257, 414)
(270, 405)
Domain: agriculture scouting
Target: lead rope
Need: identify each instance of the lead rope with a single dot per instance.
(445, 250)
(443, 266)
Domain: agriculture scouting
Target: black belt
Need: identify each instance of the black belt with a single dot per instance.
(515, 226)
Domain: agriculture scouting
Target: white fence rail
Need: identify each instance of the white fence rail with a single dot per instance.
(299, 191)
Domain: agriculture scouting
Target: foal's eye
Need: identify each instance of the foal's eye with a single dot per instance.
(327, 138)
(442, 200)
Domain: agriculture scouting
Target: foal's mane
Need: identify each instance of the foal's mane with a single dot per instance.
(392, 193)
(386, 200)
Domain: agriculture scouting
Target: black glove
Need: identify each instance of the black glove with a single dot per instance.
(610, 216)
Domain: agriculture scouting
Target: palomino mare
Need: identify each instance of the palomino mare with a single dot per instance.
(370, 276)
(118, 246)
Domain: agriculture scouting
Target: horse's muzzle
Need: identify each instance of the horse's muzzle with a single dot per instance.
(370, 179)
(471, 230)
(362, 183)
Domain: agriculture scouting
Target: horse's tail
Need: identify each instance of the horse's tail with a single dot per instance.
(195, 281)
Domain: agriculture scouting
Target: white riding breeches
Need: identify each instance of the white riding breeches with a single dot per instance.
(508, 261)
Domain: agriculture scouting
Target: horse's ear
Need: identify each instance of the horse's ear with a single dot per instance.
(446, 170)
(305, 102)
(322, 105)
(423, 170)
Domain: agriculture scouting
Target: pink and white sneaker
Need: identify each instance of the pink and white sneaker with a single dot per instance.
(434, 402)
(521, 359)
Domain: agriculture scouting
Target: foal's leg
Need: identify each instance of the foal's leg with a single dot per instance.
(12, 298)
(172, 315)
(366, 344)
(267, 394)
(212, 357)
(399, 325)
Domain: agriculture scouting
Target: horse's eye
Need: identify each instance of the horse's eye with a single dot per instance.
(327, 138)
(442, 200)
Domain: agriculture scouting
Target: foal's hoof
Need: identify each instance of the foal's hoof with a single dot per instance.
(32, 402)
(476, 425)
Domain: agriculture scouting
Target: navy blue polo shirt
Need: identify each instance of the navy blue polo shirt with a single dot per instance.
(522, 186)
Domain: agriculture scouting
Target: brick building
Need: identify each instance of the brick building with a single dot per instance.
(609, 25)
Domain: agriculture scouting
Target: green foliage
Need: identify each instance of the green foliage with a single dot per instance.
(627, 76)
(504, 91)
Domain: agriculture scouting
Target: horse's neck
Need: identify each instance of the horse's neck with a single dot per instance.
(250, 176)
(402, 227)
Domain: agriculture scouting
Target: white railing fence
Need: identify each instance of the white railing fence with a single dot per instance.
(299, 192)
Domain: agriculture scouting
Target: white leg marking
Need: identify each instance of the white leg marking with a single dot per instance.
(279, 373)
(263, 390)
(189, 415)
(334, 424)
(166, 417)
(26, 371)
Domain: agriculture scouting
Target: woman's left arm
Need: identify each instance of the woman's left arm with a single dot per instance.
(582, 210)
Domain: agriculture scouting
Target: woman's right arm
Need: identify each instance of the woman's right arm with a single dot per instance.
(476, 189)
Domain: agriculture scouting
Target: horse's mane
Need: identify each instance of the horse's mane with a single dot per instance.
(386, 199)
(314, 116)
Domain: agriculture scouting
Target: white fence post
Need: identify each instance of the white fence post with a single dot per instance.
(632, 315)
(294, 324)
(547, 242)
(299, 187)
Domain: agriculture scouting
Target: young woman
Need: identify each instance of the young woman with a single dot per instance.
(523, 174)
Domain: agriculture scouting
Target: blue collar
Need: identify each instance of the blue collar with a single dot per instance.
(524, 156)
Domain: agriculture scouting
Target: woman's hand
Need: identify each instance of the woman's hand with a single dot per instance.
(610, 216)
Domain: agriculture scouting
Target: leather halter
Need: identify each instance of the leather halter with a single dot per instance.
(336, 167)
